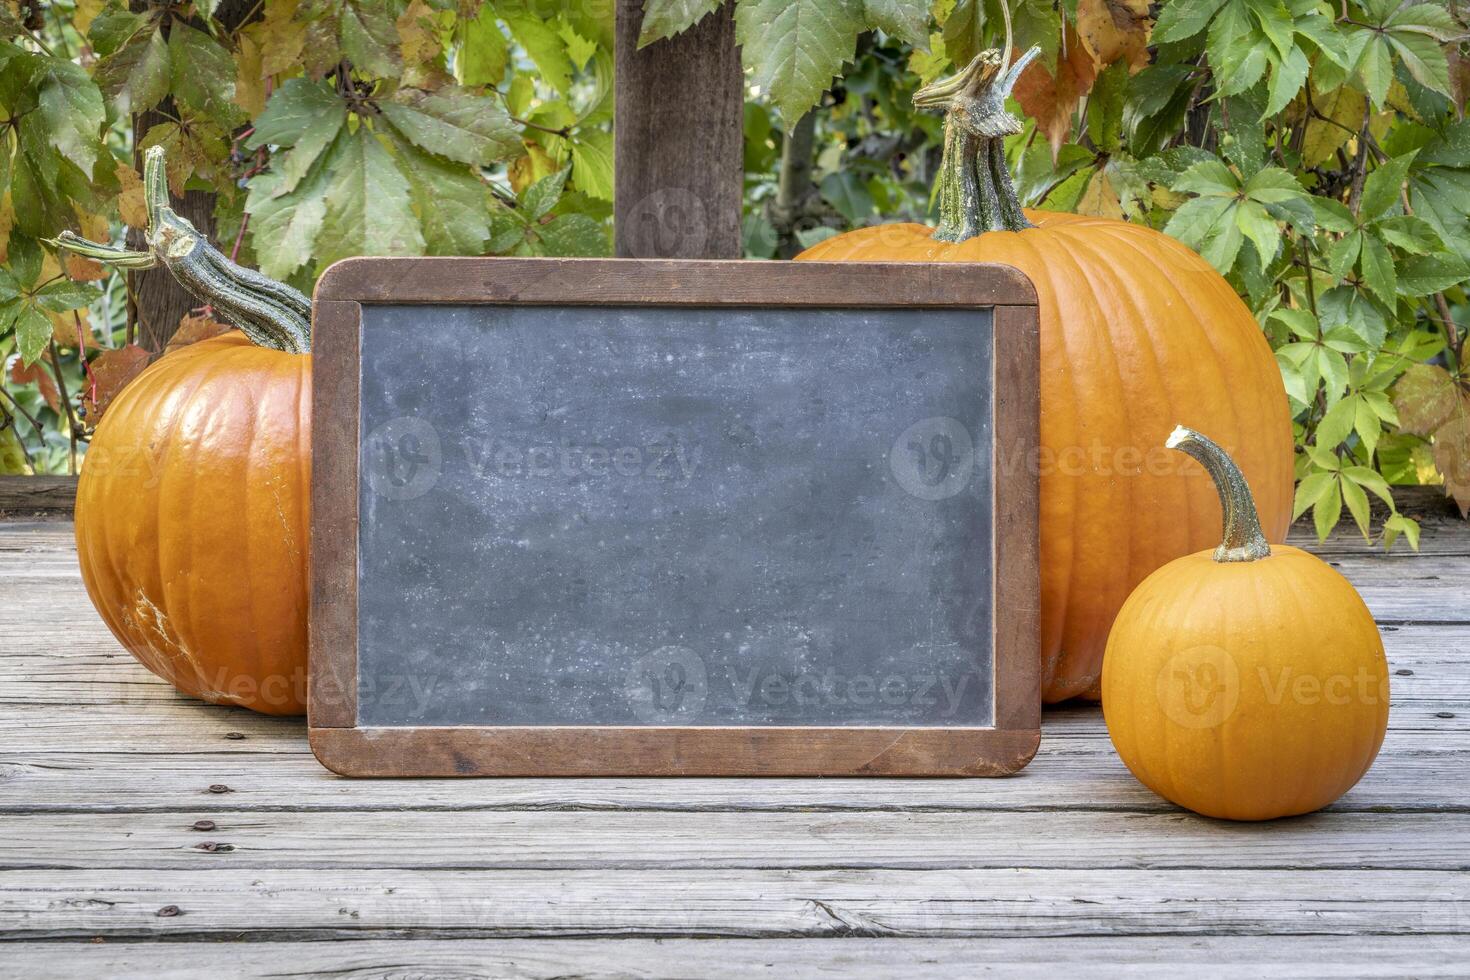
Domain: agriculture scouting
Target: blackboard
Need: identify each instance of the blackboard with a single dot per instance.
(594, 504)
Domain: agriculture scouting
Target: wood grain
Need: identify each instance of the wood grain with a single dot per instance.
(1146, 957)
(26, 495)
(679, 139)
(1071, 867)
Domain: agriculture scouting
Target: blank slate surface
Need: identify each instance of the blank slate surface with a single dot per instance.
(675, 515)
(584, 517)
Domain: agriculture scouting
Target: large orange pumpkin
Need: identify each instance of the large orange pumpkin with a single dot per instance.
(1137, 332)
(193, 504)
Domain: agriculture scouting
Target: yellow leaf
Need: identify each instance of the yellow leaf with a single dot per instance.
(286, 37)
(418, 35)
(7, 221)
(1343, 109)
(86, 12)
(131, 205)
(525, 171)
(1100, 198)
(12, 457)
(1114, 30)
(250, 93)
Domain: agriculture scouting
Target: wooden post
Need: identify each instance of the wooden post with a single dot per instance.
(679, 140)
(158, 302)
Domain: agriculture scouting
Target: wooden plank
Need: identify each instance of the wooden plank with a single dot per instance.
(1151, 958)
(1083, 774)
(773, 904)
(1427, 661)
(678, 139)
(31, 495)
(559, 839)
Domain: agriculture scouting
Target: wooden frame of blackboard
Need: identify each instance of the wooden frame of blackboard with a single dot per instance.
(345, 748)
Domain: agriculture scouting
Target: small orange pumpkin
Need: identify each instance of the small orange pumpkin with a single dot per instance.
(1136, 332)
(1248, 683)
(192, 514)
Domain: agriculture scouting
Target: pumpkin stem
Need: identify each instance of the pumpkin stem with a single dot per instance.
(1243, 540)
(272, 314)
(975, 191)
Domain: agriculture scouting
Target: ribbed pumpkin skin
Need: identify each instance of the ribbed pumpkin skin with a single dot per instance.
(1138, 334)
(192, 522)
(1246, 690)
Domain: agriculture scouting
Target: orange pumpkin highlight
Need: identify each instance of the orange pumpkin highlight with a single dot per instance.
(193, 517)
(1245, 684)
(1137, 332)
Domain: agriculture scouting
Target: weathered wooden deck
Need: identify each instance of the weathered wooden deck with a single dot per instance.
(143, 834)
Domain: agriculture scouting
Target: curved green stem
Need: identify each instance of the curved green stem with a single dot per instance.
(272, 314)
(975, 191)
(1243, 539)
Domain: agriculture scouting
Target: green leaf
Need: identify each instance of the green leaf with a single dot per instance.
(137, 76)
(1332, 215)
(484, 55)
(1367, 425)
(1273, 185)
(284, 226)
(114, 27)
(1237, 49)
(1409, 233)
(1312, 488)
(666, 18)
(845, 192)
(1381, 189)
(295, 109)
(369, 211)
(1207, 225)
(451, 201)
(1182, 19)
(1399, 524)
(963, 31)
(1336, 424)
(1288, 75)
(203, 75)
(538, 199)
(1343, 254)
(573, 234)
(32, 333)
(1357, 504)
(1105, 107)
(1157, 102)
(592, 163)
(370, 36)
(1373, 65)
(1209, 177)
(906, 20)
(1328, 511)
(455, 123)
(542, 43)
(1425, 274)
(794, 48)
(64, 295)
(71, 110)
(1425, 60)
(1378, 271)
(507, 228)
(1254, 223)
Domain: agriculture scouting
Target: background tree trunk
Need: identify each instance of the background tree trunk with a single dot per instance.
(678, 127)
(156, 302)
